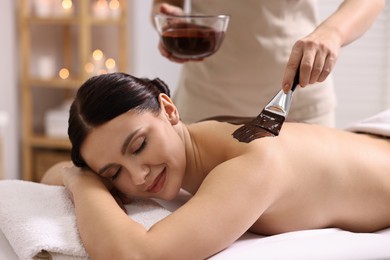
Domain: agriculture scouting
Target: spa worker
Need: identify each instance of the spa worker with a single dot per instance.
(264, 43)
(126, 131)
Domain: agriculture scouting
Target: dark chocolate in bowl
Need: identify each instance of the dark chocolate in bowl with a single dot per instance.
(191, 41)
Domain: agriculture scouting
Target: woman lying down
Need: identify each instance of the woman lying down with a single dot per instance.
(126, 133)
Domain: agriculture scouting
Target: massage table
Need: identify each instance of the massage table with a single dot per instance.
(310, 244)
(329, 243)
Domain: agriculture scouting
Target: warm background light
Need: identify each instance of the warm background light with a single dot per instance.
(110, 63)
(64, 73)
(114, 4)
(67, 4)
(97, 55)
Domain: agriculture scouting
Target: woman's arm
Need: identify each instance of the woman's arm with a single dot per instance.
(317, 53)
(101, 222)
(225, 206)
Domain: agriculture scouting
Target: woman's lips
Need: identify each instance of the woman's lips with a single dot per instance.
(158, 183)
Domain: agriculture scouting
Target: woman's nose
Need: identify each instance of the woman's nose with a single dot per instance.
(139, 174)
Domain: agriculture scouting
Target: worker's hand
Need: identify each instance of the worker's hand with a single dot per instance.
(316, 55)
(171, 10)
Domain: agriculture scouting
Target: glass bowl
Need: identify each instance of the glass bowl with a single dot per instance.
(191, 36)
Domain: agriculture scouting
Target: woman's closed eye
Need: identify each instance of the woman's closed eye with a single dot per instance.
(139, 145)
(116, 174)
(116, 171)
(112, 173)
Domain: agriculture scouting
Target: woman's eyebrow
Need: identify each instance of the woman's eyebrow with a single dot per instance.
(123, 150)
(128, 140)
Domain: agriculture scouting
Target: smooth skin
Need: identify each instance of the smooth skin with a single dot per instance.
(308, 177)
(317, 53)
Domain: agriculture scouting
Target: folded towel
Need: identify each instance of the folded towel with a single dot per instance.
(39, 220)
(378, 124)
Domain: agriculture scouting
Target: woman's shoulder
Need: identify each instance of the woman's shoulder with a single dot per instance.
(212, 132)
(235, 120)
(217, 137)
(220, 132)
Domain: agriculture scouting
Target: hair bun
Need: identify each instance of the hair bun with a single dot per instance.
(161, 85)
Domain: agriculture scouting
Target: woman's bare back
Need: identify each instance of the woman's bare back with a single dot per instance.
(324, 178)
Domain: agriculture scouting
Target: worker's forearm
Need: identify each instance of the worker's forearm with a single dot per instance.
(353, 18)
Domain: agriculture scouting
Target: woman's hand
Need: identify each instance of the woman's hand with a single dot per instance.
(77, 178)
(54, 175)
(72, 177)
(316, 55)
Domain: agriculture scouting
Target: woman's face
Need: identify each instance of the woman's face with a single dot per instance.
(140, 153)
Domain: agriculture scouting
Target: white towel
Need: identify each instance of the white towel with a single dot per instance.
(378, 124)
(39, 219)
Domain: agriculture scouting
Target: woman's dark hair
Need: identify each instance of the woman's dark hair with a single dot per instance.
(104, 97)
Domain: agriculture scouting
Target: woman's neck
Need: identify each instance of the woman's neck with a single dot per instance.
(194, 172)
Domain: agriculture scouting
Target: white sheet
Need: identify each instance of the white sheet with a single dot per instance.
(317, 244)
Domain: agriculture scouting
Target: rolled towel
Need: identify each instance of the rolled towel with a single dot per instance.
(39, 220)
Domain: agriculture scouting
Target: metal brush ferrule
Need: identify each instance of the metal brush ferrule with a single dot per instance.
(281, 103)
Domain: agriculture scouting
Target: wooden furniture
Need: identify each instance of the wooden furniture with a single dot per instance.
(70, 35)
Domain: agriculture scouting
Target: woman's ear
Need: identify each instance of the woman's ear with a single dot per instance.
(168, 108)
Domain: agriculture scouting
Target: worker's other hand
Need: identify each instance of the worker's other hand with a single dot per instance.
(171, 10)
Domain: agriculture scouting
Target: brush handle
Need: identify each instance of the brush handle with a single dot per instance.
(296, 79)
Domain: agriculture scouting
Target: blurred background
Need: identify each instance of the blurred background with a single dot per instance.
(46, 53)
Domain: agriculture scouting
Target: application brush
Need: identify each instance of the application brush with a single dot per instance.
(270, 120)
